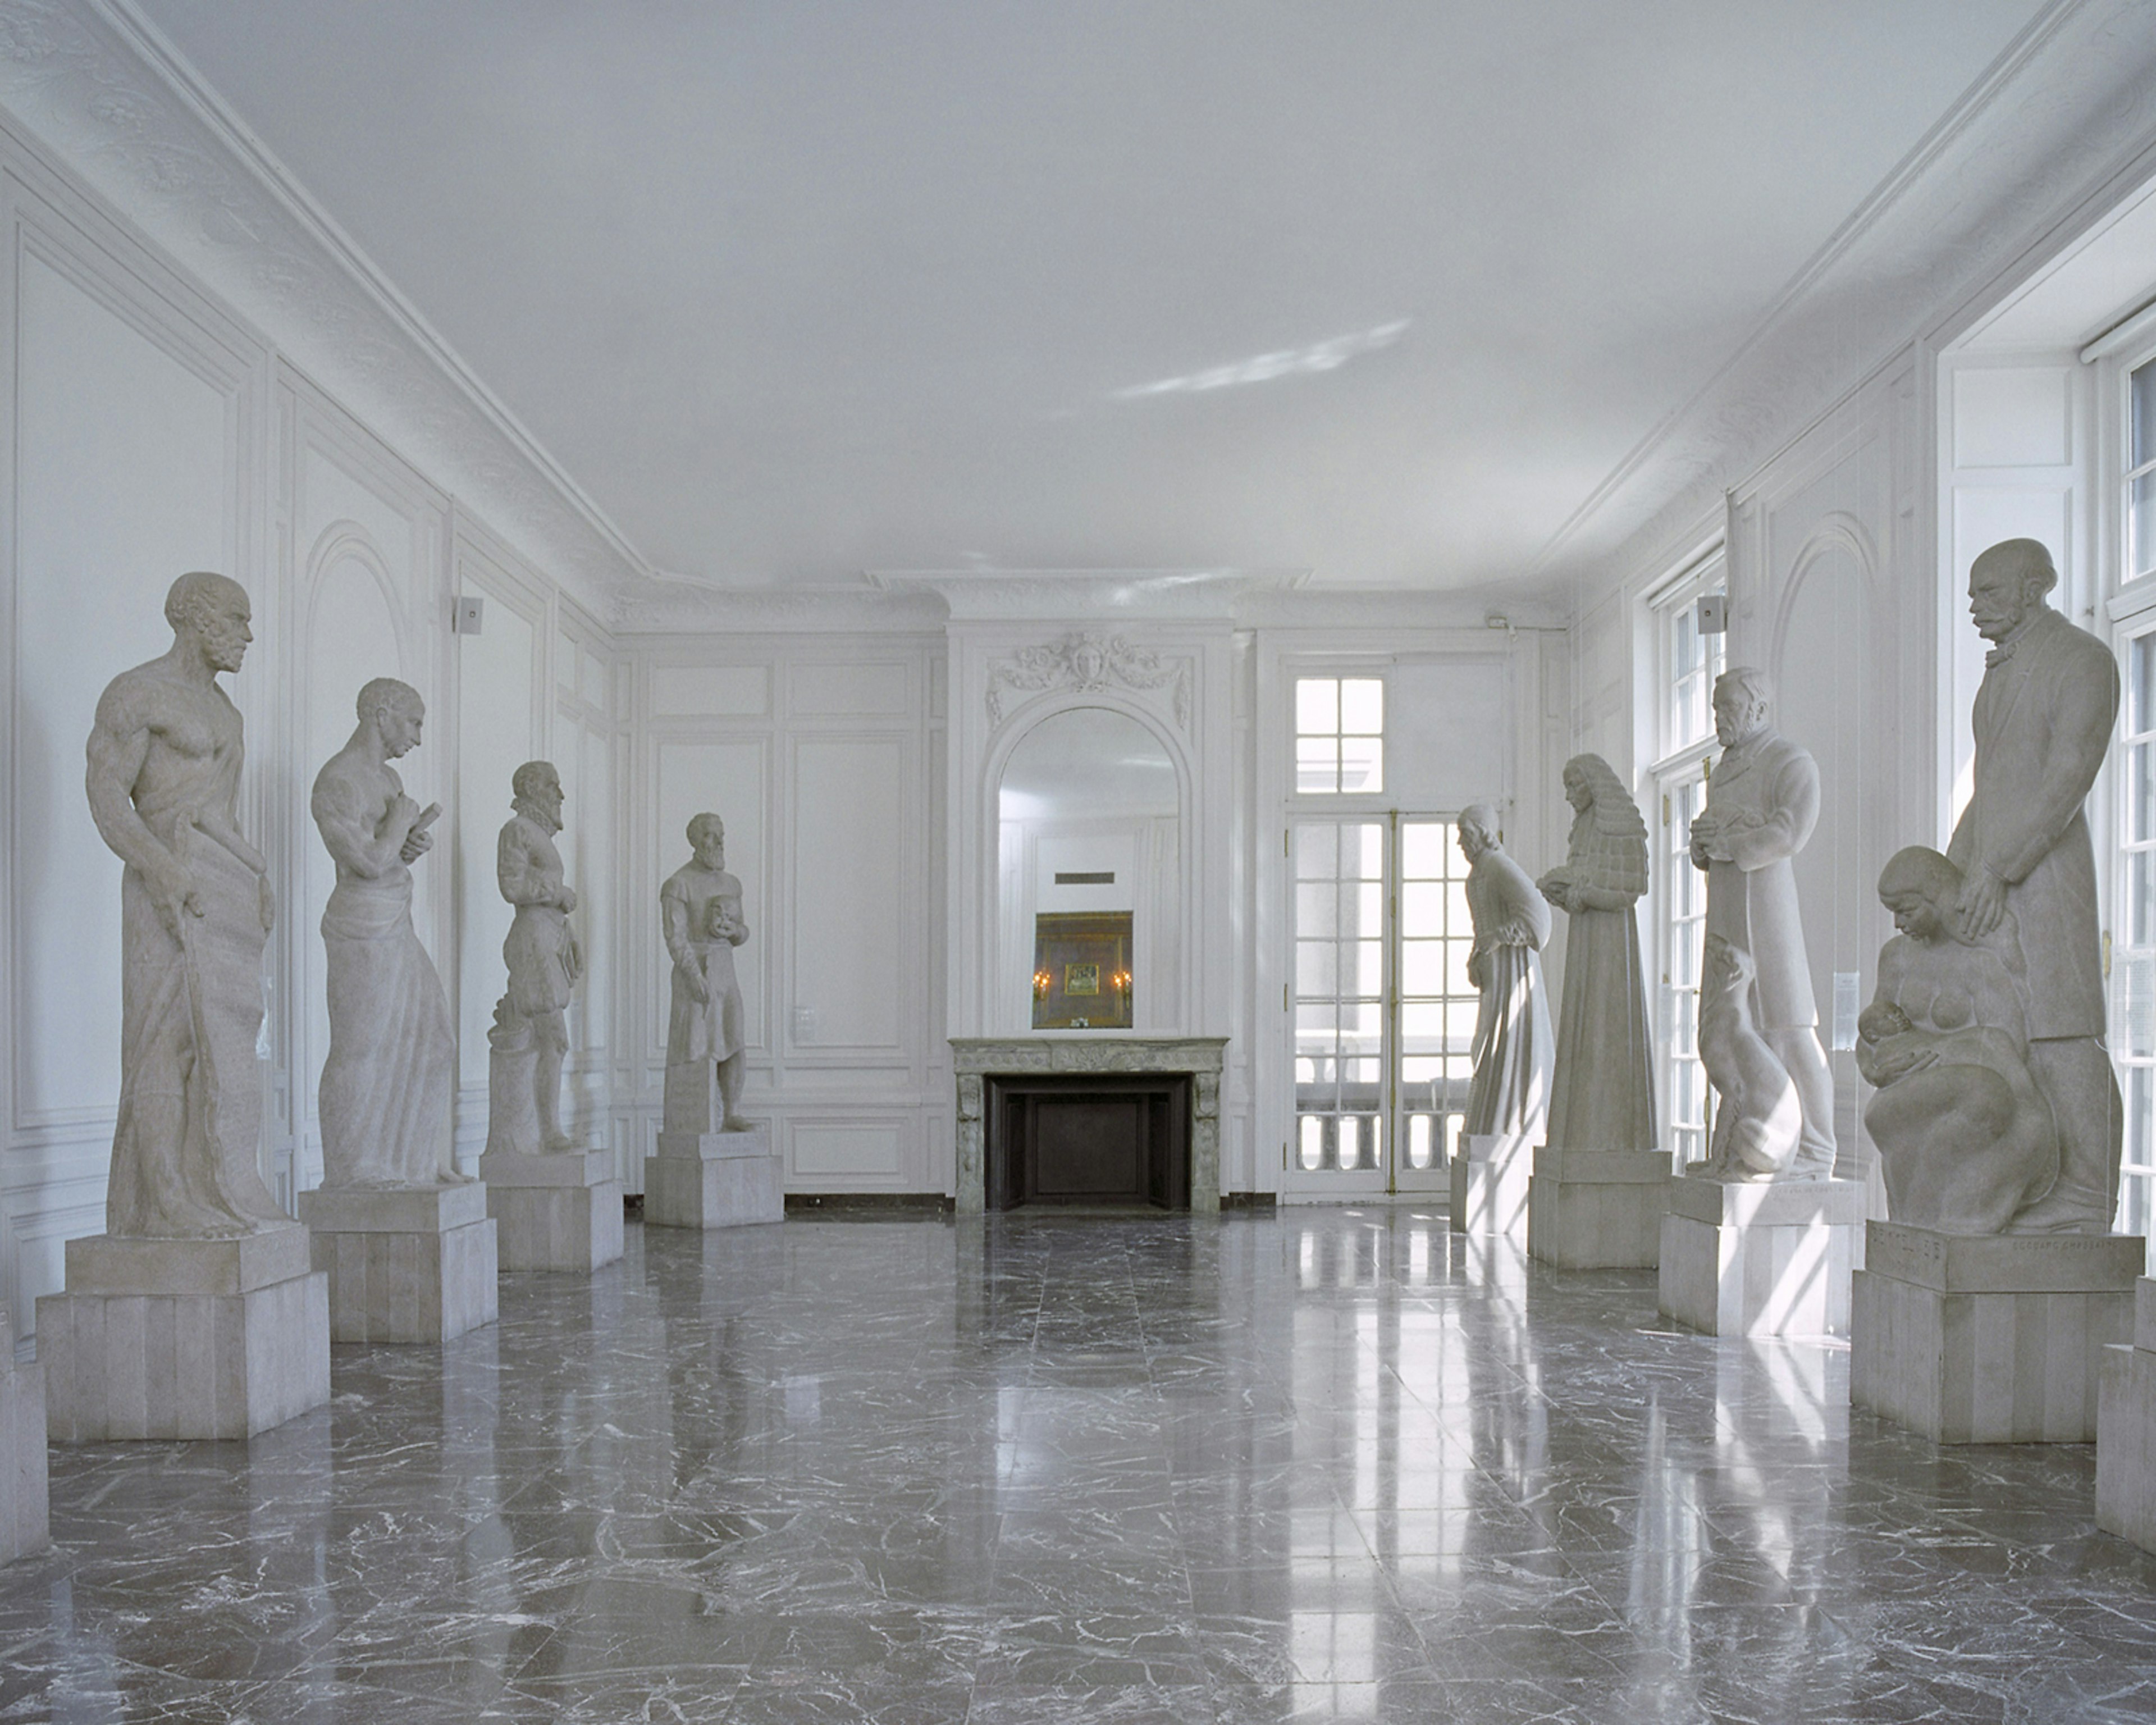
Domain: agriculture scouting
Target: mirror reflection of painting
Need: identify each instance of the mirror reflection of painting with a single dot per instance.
(1089, 826)
(1081, 970)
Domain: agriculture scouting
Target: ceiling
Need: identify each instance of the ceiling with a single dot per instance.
(1384, 290)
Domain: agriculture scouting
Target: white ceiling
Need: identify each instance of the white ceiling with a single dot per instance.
(1384, 289)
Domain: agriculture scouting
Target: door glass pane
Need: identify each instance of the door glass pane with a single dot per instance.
(2134, 920)
(1339, 1016)
(1437, 1007)
(1684, 902)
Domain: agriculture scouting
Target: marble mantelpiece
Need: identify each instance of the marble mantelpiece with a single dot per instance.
(976, 1058)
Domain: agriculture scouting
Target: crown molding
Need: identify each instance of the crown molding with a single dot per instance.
(113, 101)
(2067, 108)
(1037, 595)
(674, 605)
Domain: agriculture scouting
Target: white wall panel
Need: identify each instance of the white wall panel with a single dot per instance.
(125, 478)
(827, 1151)
(848, 914)
(711, 690)
(850, 691)
(1448, 733)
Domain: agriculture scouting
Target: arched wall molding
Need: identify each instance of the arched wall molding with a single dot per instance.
(347, 541)
(1836, 530)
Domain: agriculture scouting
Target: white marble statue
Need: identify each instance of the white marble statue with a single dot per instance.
(1603, 1095)
(700, 915)
(1515, 1050)
(388, 1084)
(195, 911)
(530, 1039)
(2043, 720)
(1762, 801)
(1966, 1139)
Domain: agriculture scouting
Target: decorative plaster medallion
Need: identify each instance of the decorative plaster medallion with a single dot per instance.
(1088, 662)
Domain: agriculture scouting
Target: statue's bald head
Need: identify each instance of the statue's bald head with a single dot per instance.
(393, 693)
(199, 593)
(2028, 560)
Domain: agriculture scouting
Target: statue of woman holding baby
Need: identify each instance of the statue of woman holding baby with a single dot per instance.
(1966, 1140)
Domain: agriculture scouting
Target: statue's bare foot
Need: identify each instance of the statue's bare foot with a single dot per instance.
(735, 1123)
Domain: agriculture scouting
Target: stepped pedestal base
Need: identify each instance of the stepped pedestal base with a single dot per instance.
(1988, 1338)
(559, 1210)
(405, 1265)
(184, 1338)
(1597, 1209)
(22, 1498)
(2125, 1430)
(715, 1179)
(1490, 1178)
(1741, 1259)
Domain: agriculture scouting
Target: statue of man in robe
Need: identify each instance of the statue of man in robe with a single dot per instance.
(1515, 1048)
(700, 914)
(195, 911)
(2043, 719)
(388, 1084)
(1762, 801)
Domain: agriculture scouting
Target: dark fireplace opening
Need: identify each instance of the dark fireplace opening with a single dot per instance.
(1112, 1139)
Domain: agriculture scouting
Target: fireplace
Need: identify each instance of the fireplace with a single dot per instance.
(1085, 1118)
(1111, 1138)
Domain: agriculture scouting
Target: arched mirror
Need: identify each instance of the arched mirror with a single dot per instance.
(1090, 870)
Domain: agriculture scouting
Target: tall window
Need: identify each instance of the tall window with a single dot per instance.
(2133, 939)
(1687, 659)
(1339, 735)
(2140, 536)
(2132, 953)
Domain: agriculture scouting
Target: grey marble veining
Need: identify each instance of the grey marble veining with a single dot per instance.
(1339, 1464)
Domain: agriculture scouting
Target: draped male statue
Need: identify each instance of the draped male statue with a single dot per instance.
(195, 911)
(388, 1084)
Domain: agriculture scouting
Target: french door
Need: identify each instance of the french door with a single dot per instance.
(1687, 1105)
(1384, 1018)
(2131, 946)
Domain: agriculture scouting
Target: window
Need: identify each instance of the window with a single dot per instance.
(1339, 735)
(2134, 947)
(1687, 661)
(2140, 536)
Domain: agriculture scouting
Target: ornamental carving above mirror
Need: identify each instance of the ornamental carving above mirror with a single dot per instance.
(1088, 662)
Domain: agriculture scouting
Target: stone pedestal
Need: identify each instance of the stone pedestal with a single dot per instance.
(22, 1496)
(715, 1179)
(555, 1209)
(1597, 1209)
(1988, 1338)
(1743, 1258)
(1490, 1176)
(184, 1338)
(2125, 1430)
(405, 1265)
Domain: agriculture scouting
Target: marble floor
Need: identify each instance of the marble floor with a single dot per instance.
(1326, 1464)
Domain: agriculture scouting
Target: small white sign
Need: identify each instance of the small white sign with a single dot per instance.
(1847, 985)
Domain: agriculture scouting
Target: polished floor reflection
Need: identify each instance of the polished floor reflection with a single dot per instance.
(1330, 1465)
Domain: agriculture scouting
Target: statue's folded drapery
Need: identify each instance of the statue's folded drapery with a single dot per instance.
(185, 1143)
(1513, 1046)
(386, 1089)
